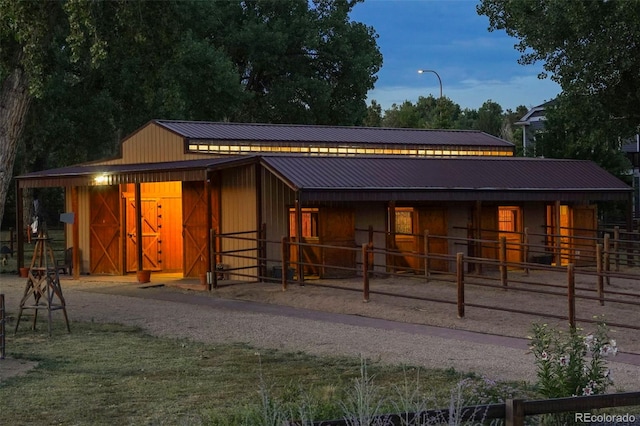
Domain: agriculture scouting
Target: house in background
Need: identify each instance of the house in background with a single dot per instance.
(632, 151)
(155, 205)
(532, 123)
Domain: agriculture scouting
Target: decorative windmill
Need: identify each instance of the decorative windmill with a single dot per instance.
(43, 283)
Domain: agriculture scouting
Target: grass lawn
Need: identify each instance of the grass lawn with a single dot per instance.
(114, 374)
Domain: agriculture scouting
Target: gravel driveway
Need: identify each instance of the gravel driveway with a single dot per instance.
(223, 317)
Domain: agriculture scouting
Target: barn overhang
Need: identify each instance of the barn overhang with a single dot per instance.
(116, 174)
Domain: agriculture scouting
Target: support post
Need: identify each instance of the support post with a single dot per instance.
(138, 202)
(213, 243)
(299, 266)
(616, 246)
(285, 261)
(460, 283)
(571, 293)
(75, 234)
(365, 273)
(607, 257)
(503, 262)
(426, 255)
(525, 249)
(557, 232)
(599, 271)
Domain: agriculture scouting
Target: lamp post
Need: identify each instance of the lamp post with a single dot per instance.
(437, 75)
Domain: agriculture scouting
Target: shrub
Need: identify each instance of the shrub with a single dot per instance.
(572, 363)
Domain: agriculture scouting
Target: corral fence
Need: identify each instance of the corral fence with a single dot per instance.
(593, 259)
(513, 412)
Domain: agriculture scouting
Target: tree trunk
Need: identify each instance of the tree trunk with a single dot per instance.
(14, 105)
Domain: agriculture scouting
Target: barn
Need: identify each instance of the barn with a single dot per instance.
(155, 206)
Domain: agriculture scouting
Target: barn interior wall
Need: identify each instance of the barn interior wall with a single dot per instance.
(239, 209)
(84, 231)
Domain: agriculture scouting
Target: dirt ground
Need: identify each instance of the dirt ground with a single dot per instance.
(431, 302)
(346, 296)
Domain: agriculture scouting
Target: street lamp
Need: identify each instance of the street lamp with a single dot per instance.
(437, 75)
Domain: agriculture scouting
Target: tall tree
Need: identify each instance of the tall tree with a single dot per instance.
(112, 66)
(490, 118)
(584, 45)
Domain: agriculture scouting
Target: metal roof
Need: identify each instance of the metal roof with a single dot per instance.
(530, 178)
(202, 130)
(84, 174)
(377, 178)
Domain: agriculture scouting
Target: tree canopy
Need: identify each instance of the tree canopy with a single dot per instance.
(83, 75)
(585, 46)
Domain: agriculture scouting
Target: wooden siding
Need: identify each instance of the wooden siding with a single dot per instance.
(434, 220)
(152, 144)
(196, 226)
(238, 214)
(374, 215)
(277, 198)
(105, 251)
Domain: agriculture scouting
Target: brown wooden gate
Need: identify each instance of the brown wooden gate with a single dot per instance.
(433, 219)
(337, 228)
(195, 226)
(151, 256)
(104, 225)
(489, 232)
(584, 231)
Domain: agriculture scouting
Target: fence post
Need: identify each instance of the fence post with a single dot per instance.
(607, 257)
(426, 255)
(525, 249)
(365, 272)
(284, 254)
(503, 261)
(460, 283)
(514, 412)
(600, 273)
(616, 246)
(371, 259)
(213, 243)
(571, 293)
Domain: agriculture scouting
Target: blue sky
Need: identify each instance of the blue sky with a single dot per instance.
(448, 36)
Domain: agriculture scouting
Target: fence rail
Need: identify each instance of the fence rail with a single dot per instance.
(464, 270)
(513, 411)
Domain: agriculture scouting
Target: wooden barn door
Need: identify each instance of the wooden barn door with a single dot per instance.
(311, 255)
(104, 225)
(489, 232)
(195, 226)
(510, 223)
(337, 228)
(433, 219)
(584, 231)
(151, 260)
